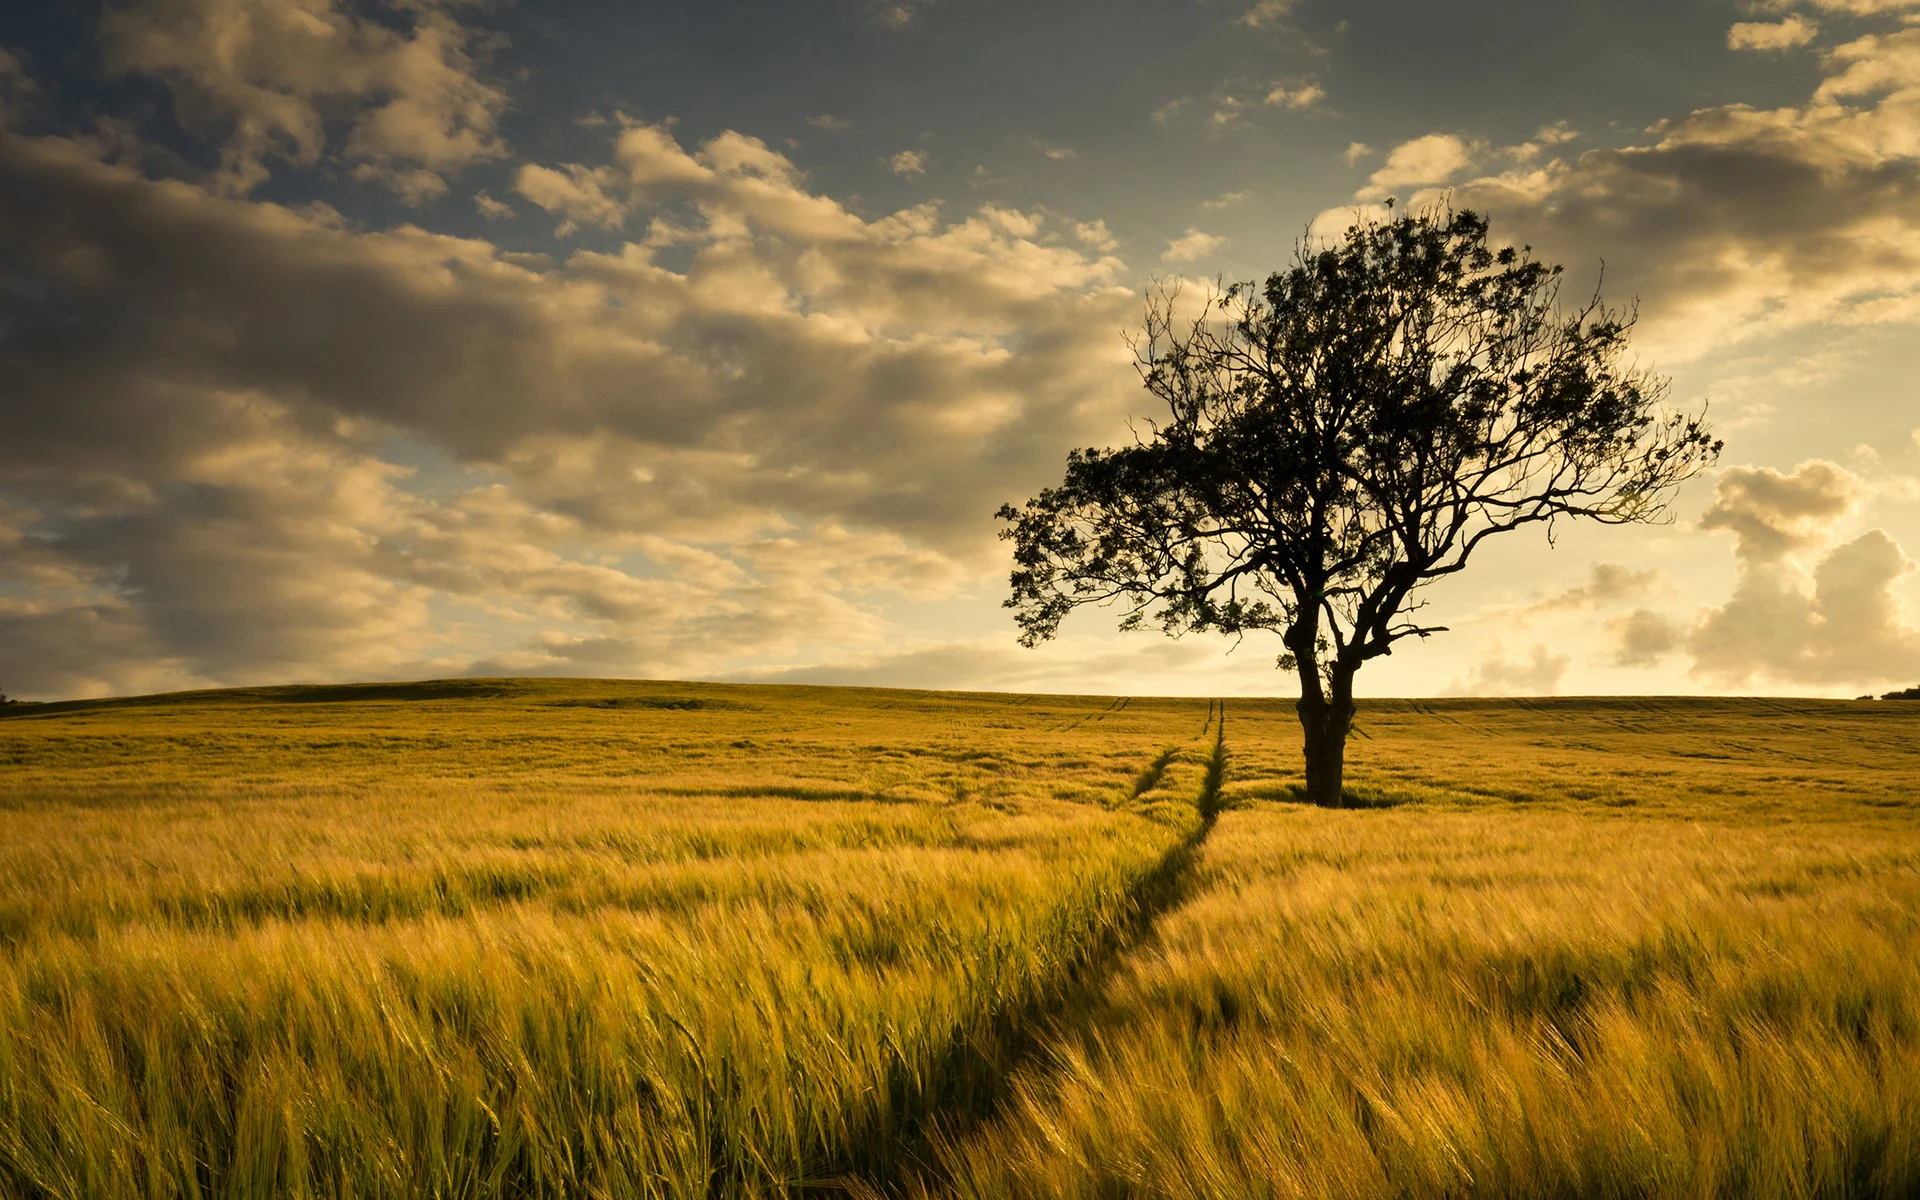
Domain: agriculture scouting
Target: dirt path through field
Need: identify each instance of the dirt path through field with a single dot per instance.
(909, 1164)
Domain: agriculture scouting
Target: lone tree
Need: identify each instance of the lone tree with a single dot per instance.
(1343, 436)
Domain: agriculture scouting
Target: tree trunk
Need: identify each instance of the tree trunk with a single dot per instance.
(1326, 723)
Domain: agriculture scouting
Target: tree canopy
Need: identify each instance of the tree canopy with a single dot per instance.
(1343, 435)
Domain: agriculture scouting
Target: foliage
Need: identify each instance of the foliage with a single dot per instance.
(1342, 437)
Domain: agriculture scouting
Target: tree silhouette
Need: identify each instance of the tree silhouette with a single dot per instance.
(1342, 436)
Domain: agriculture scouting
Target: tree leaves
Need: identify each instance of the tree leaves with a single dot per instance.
(1345, 433)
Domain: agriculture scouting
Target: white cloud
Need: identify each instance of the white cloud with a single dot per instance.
(1227, 109)
(1876, 64)
(273, 73)
(1847, 628)
(1546, 137)
(1226, 200)
(896, 14)
(491, 209)
(828, 123)
(1301, 96)
(1772, 35)
(1435, 158)
(1357, 151)
(1095, 235)
(1265, 14)
(1191, 246)
(1858, 8)
(580, 194)
(1840, 623)
(909, 162)
(1837, 623)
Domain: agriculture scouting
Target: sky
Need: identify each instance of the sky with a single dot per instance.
(356, 341)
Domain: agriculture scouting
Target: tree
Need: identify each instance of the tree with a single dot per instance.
(1343, 436)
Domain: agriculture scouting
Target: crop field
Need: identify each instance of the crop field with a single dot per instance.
(590, 938)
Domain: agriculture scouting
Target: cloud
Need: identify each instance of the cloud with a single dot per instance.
(1546, 137)
(1056, 153)
(268, 77)
(1077, 663)
(1775, 35)
(1872, 65)
(828, 123)
(1435, 158)
(1163, 116)
(1234, 100)
(17, 89)
(605, 462)
(1539, 674)
(1227, 110)
(896, 15)
(1607, 584)
(1734, 222)
(1191, 246)
(580, 194)
(1302, 96)
(1357, 151)
(910, 162)
(1095, 235)
(1265, 14)
(1772, 514)
(1643, 637)
(1226, 200)
(1846, 627)
(491, 209)
(1858, 8)
(1838, 623)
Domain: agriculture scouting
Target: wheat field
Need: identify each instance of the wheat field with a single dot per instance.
(593, 938)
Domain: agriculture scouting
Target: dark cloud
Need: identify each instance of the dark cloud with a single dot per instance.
(1607, 584)
(267, 77)
(1643, 637)
(202, 387)
(1733, 221)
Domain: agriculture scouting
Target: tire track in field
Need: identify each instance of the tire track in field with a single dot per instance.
(895, 1156)
(1086, 717)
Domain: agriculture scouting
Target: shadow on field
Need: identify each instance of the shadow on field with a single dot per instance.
(343, 693)
(969, 1082)
(679, 703)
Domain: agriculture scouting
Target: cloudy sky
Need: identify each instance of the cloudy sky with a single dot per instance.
(364, 341)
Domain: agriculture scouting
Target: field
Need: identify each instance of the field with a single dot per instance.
(558, 938)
